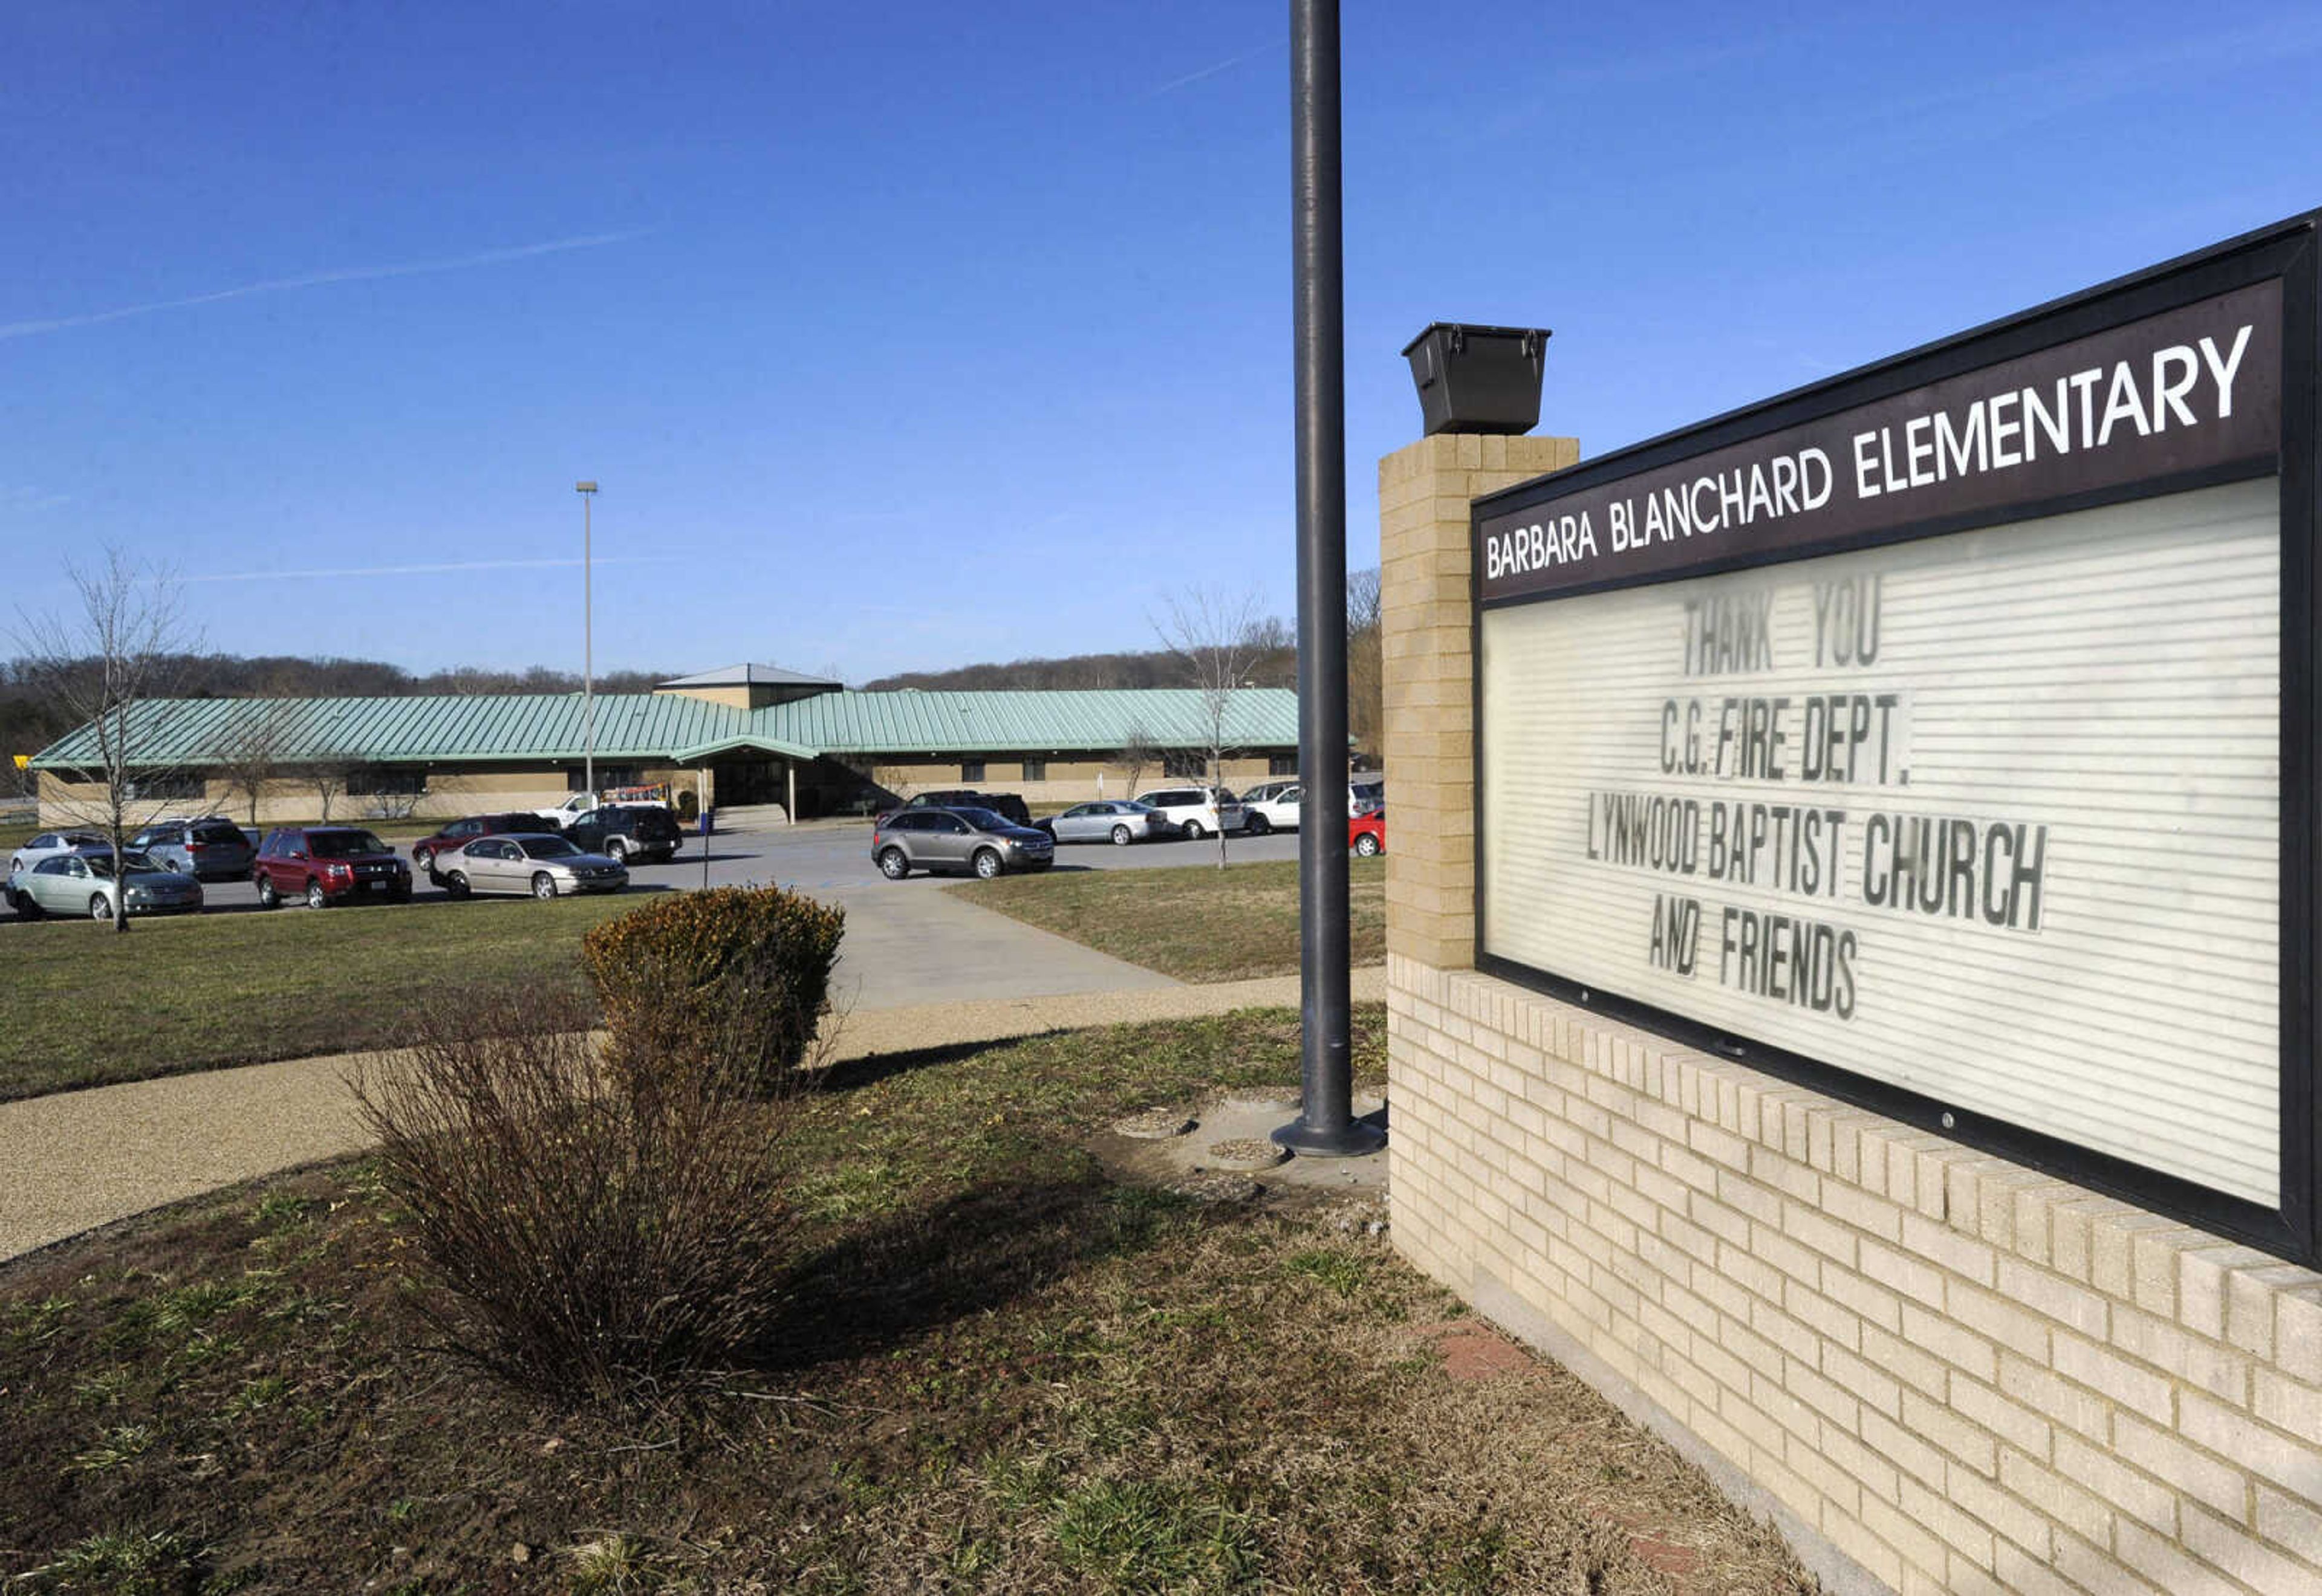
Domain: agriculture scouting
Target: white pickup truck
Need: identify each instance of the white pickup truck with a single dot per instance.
(570, 809)
(580, 803)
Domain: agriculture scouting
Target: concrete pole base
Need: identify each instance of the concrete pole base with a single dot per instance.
(1353, 1139)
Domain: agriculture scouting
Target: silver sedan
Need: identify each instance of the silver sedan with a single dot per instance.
(1118, 821)
(82, 883)
(522, 862)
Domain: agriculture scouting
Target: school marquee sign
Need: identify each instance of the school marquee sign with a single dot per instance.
(1941, 735)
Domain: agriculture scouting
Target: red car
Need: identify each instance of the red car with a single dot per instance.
(461, 833)
(1366, 834)
(328, 864)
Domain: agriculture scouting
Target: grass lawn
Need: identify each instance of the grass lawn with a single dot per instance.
(81, 1004)
(1197, 923)
(1006, 1370)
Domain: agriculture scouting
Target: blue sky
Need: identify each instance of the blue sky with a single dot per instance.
(911, 335)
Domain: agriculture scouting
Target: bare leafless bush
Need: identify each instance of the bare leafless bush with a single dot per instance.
(580, 1237)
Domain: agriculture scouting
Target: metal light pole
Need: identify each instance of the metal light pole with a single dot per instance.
(588, 492)
(1325, 1125)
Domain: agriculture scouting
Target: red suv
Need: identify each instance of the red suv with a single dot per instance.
(461, 833)
(328, 864)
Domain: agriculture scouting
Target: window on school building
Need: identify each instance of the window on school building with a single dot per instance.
(150, 784)
(971, 770)
(1184, 764)
(387, 781)
(1036, 770)
(1282, 764)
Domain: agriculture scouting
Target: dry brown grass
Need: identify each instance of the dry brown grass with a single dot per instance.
(1000, 1370)
(1198, 923)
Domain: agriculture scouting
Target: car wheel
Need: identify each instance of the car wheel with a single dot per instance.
(1122, 837)
(1192, 831)
(100, 908)
(267, 897)
(617, 851)
(544, 885)
(1259, 826)
(423, 859)
(988, 863)
(316, 897)
(456, 884)
(893, 865)
(28, 907)
(1366, 845)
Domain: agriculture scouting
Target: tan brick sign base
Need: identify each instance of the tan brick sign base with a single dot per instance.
(1940, 1371)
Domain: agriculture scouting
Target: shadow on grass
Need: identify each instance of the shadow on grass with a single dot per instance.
(854, 1074)
(912, 1272)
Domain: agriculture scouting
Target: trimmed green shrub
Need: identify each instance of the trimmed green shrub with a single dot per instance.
(731, 981)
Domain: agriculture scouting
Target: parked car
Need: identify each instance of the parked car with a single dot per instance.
(327, 865)
(1008, 805)
(1366, 833)
(527, 862)
(976, 839)
(461, 833)
(1198, 811)
(82, 883)
(207, 847)
(49, 844)
(1118, 821)
(1272, 806)
(625, 831)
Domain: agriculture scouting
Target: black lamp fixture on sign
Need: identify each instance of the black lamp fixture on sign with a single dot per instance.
(1478, 379)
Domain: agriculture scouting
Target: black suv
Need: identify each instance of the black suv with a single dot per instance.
(630, 833)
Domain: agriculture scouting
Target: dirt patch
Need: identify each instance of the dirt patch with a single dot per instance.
(1474, 1350)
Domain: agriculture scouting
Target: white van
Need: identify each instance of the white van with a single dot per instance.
(1198, 811)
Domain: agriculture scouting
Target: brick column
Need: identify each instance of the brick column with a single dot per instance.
(1429, 656)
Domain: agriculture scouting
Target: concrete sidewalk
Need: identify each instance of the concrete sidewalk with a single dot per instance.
(78, 1160)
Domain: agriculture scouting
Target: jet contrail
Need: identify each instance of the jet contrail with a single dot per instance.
(315, 280)
(1208, 71)
(411, 571)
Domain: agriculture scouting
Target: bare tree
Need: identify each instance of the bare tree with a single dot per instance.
(1366, 673)
(329, 779)
(100, 664)
(1136, 752)
(1217, 639)
(251, 754)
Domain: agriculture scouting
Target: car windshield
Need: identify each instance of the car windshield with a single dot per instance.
(1225, 796)
(983, 819)
(549, 848)
(342, 844)
(101, 864)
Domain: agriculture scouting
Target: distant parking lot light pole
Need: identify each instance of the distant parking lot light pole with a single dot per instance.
(587, 491)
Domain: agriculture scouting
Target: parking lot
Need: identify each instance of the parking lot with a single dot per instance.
(906, 941)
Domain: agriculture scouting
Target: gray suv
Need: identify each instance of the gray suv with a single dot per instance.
(209, 848)
(957, 840)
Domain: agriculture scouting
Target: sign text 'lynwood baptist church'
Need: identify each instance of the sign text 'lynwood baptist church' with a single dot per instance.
(1939, 736)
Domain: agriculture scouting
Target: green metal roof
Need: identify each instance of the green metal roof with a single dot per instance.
(444, 729)
(1080, 722)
